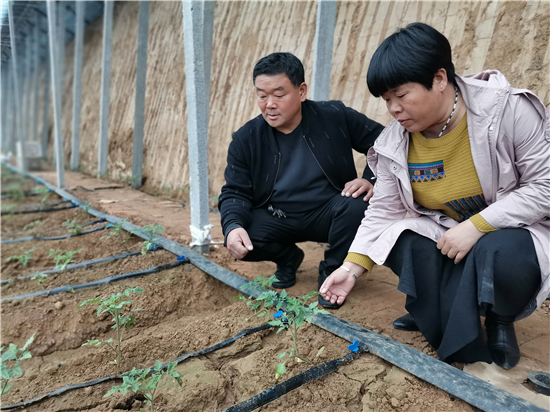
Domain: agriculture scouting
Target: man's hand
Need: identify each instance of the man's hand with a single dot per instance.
(337, 286)
(459, 240)
(357, 187)
(238, 243)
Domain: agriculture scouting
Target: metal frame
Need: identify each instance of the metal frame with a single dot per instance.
(322, 55)
(77, 83)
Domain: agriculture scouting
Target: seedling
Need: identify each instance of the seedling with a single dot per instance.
(14, 356)
(34, 225)
(85, 207)
(74, 227)
(63, 259)
(115, 306)
(121, 234)
(260, 283)
(137, 381)
(9, 209)
(296, 313)
(15, 191)
(44, 192)
(149, 244)
(24, 258)
(41, 277)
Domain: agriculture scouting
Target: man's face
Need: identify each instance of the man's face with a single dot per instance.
(280, 102)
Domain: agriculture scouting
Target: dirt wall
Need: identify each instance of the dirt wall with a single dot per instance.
(510, 36)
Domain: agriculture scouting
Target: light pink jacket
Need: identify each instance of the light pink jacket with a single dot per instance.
(510, 140)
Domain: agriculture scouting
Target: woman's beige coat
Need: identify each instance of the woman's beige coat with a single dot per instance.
(510, 140)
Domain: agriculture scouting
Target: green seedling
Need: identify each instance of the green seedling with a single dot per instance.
(24, 258)
(10, 209)
(121, 234)
(260, 283)
(15, 191)
(149, 244)
(74, 227)
(45, 193)
(41, 277)
(85, 207)
(115, 305)
(297, 311)
(32, 226)
(63, 259)
(137, 381)
(13, 356)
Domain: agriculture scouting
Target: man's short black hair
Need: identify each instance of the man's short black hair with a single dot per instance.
(280, 63)
(410, 55)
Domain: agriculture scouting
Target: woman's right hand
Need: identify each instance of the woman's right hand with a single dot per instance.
(337, 286)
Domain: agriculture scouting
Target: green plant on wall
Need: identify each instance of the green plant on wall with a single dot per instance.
(24, 258)
(10, 363)
(137, 381)
(61, 258)
(115, 305)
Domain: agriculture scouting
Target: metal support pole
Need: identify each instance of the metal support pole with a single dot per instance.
(208, 33)
(322, 56)
(4, 104)
(103, 149)
(61, 50)
(77, 83)
(16, 92)
(27, 108)
(141, 80)
(36, 65)
(196, 124)
(54, 44)
(46, 119)
(12, 122)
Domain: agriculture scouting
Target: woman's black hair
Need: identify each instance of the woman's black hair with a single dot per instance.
(410, 55)
(280, 63)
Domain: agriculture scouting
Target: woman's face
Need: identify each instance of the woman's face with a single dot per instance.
(417, 108)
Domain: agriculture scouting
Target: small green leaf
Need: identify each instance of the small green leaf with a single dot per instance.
(281, 355)
(280, 369)
(320, 351)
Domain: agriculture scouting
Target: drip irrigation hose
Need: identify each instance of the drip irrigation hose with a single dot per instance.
(67, 388)
(56, 229)
(26, 239)
(21, 212)
(470, 389)
(101, 188)
(77, 266)
(283, 388)
(100, 282)
(28, 206)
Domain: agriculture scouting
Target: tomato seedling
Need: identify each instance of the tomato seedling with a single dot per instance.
(63, 259)
(74, 227)
(117, 231)
(14, 356)
(24, 258)
(149, 244)
(114, 305)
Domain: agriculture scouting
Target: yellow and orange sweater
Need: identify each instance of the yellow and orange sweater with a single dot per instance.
(443, 177)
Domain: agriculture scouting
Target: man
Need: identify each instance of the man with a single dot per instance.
(291, 177)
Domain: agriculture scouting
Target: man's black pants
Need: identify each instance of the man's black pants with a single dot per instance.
(335, 222)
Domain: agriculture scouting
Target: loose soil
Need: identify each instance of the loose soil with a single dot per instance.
(186, 310)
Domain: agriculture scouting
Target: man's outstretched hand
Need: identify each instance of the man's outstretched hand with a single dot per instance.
(238, 243)
(357, 187)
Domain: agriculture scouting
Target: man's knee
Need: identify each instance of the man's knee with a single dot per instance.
(352, 208)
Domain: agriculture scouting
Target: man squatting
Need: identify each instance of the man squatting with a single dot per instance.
(291, 176)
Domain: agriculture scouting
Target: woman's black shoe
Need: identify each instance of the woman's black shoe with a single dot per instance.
(286, 274)
(406, 322)
(502, 343)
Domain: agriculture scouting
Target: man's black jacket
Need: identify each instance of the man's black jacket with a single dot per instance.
(330, 130)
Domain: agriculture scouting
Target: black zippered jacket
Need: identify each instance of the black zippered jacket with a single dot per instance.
(330, 129)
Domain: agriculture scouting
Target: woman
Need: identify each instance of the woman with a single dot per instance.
(469, 159)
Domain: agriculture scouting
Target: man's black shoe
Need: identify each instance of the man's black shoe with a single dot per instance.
(406, 322)
(325, 303)
(502, 341)
(286, 274)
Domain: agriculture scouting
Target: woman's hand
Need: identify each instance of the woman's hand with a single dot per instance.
(459, 240)
(337, 286)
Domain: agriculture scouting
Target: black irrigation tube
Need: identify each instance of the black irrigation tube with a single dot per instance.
(77, 265)
(58, 228)
(180, 359)
(101, 188)
(28, 206)
(29, 238)
(295, 382)
(95, 283)
(470, 389)
(21, 212)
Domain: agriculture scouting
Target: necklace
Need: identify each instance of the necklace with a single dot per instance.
(452, 112)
